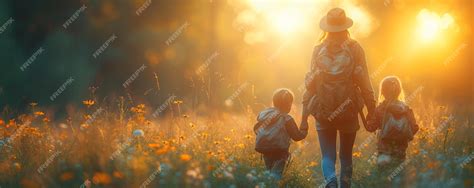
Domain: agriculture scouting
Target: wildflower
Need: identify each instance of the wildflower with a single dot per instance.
(46, 120)
(17, 166)
(227, 139)
(153, 145)
(84, 126)
(185, 157)
(101, 178)
(118, 175)
(251, 177)
(357, 154)
(185, 116)
(11, 123)
(162, 150)
(192, 125)
(88, 103)
(39, 113)
(66, 176)
(177, 102)
(62, 125)
(87, 117)
(247, 136)
(312, 164)
(241, 146)
(138, 133)
(228, 175)
(33, 104)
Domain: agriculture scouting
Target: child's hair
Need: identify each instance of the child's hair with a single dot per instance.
(391, 88)
(282, 98)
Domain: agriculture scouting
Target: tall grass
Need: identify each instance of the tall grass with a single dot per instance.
(124, 147)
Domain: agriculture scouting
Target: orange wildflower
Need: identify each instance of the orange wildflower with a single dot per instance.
(118, 175)
(66, 176)
(39, 113)
(101, 178)
(185, 157)
(88, 103)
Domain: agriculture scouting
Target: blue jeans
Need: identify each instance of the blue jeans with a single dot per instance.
(327, 142)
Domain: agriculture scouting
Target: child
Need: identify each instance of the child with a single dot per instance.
(274, 130)
(396, 123)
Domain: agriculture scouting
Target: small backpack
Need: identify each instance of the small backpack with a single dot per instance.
(272, 135)
(395, 126)
(336, 98)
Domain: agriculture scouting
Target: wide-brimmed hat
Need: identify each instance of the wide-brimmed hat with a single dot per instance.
(335, 21)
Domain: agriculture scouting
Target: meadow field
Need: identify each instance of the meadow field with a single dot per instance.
(125, 146)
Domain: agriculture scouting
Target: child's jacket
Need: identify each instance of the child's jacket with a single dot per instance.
(397, 108)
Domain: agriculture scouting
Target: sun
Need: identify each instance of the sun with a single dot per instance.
(431, 24)
(286, 22)
(284, 17)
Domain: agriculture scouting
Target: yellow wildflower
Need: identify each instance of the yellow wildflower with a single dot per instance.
(357, 154)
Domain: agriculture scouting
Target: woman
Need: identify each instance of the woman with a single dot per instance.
(337, 87)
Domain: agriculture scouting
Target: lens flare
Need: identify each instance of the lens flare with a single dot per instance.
(431, 24)
(289, 17)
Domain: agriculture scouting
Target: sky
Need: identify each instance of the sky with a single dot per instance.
(222, 53)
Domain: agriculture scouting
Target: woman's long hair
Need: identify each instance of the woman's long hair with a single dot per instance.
(391, 88)
(342, 34)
